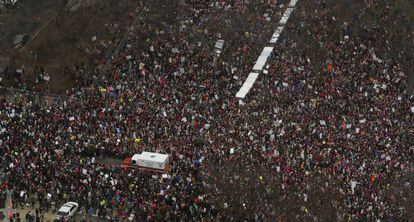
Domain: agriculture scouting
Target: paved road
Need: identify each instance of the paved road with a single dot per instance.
(48, 216)
(51, 216)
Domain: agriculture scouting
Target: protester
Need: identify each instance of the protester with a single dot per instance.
(348, 122)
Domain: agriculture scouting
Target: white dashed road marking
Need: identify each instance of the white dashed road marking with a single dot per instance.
(261, 61)
(266, 53)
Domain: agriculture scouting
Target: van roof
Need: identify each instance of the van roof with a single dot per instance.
(158, 157)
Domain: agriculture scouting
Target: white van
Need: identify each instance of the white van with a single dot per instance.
(148, 160)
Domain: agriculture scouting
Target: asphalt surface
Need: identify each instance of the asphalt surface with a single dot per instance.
(48, 216)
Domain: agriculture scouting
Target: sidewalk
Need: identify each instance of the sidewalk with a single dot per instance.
(47, 216)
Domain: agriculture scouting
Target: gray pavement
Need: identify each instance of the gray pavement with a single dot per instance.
(48, 216)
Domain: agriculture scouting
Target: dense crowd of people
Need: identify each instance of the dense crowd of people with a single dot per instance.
(348, 123)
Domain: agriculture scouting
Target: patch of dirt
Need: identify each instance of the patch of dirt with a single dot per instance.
(25, 17)
(67, 40)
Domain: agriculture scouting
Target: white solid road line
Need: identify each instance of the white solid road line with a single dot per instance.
(292, 3)
(247, 85)
(264, 56)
